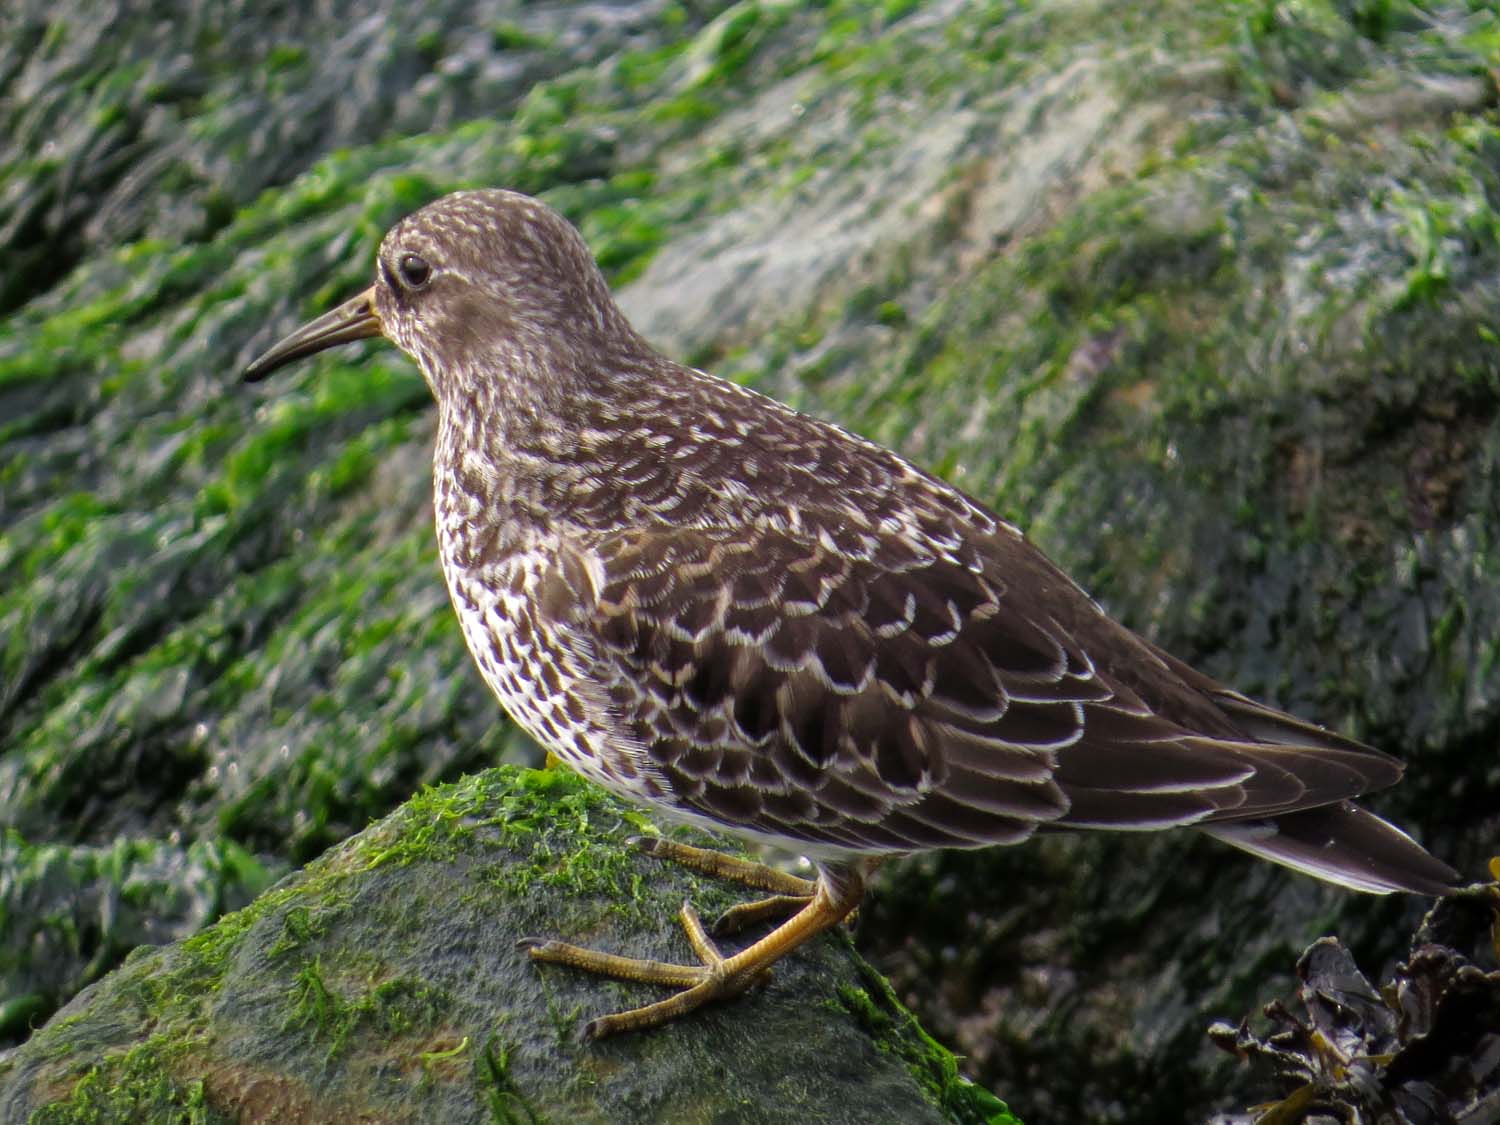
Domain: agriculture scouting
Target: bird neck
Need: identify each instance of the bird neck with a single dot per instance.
(535, 441)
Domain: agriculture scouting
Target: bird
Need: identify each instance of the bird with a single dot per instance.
(755, 621)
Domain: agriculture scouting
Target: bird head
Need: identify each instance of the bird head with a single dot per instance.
(478, 287)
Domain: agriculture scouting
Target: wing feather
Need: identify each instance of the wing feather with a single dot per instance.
(904, 698)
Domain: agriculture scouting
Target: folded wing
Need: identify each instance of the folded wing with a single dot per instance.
(867, 694)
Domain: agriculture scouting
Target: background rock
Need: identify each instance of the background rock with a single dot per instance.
(1201, 294)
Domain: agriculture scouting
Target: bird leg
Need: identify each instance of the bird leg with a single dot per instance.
(789, 893)
(747, 914)
(833, 897)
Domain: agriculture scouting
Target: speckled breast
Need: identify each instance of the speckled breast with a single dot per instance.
(539, 675)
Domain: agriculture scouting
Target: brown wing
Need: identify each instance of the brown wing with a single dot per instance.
(867, 692)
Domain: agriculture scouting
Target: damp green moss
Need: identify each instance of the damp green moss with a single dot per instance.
(394, 1008)
(893, 1029)
(137, 1084)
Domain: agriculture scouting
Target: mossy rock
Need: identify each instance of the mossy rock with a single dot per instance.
(1200, 293)
(384, 983)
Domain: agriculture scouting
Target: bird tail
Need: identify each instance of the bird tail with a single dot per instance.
(1344, 844)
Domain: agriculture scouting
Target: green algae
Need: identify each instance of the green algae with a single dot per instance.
(69, 913)
(393, 1008)
(561, 826)
(895, 1030)
(136, 1085)
(1213, 431)
(507, 1104)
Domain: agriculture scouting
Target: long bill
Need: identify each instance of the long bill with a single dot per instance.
(355, 319)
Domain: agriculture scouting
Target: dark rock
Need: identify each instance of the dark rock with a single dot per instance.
(1424, 1049)
(384, 983)
(1201, 296)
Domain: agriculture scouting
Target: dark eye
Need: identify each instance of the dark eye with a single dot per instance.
(414, 270)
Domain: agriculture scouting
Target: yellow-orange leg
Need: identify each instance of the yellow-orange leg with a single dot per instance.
(789, 893)
(832, 899)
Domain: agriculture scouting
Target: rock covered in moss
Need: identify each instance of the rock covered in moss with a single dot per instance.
(384, 983)
(1200, 294)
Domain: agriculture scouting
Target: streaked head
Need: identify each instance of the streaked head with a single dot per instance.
(477, 285)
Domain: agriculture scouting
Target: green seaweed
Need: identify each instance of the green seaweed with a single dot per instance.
(390, 1009)
(895, 1030)
(135, 1085)
(289, 1006)
(506, 1103)
(1236, 372)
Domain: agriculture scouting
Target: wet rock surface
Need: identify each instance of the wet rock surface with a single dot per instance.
(1202, 296)
(384, 983)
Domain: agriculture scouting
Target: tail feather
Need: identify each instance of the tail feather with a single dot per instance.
(1344, 844)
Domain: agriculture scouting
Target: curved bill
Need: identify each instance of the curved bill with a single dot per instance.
(355, 319)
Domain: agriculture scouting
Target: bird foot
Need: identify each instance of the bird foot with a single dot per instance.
(789, 892)
(813, 906)
(700, 983)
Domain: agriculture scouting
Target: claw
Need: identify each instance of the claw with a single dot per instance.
(814, 907)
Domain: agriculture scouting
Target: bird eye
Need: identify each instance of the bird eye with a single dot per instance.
(414, 270)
